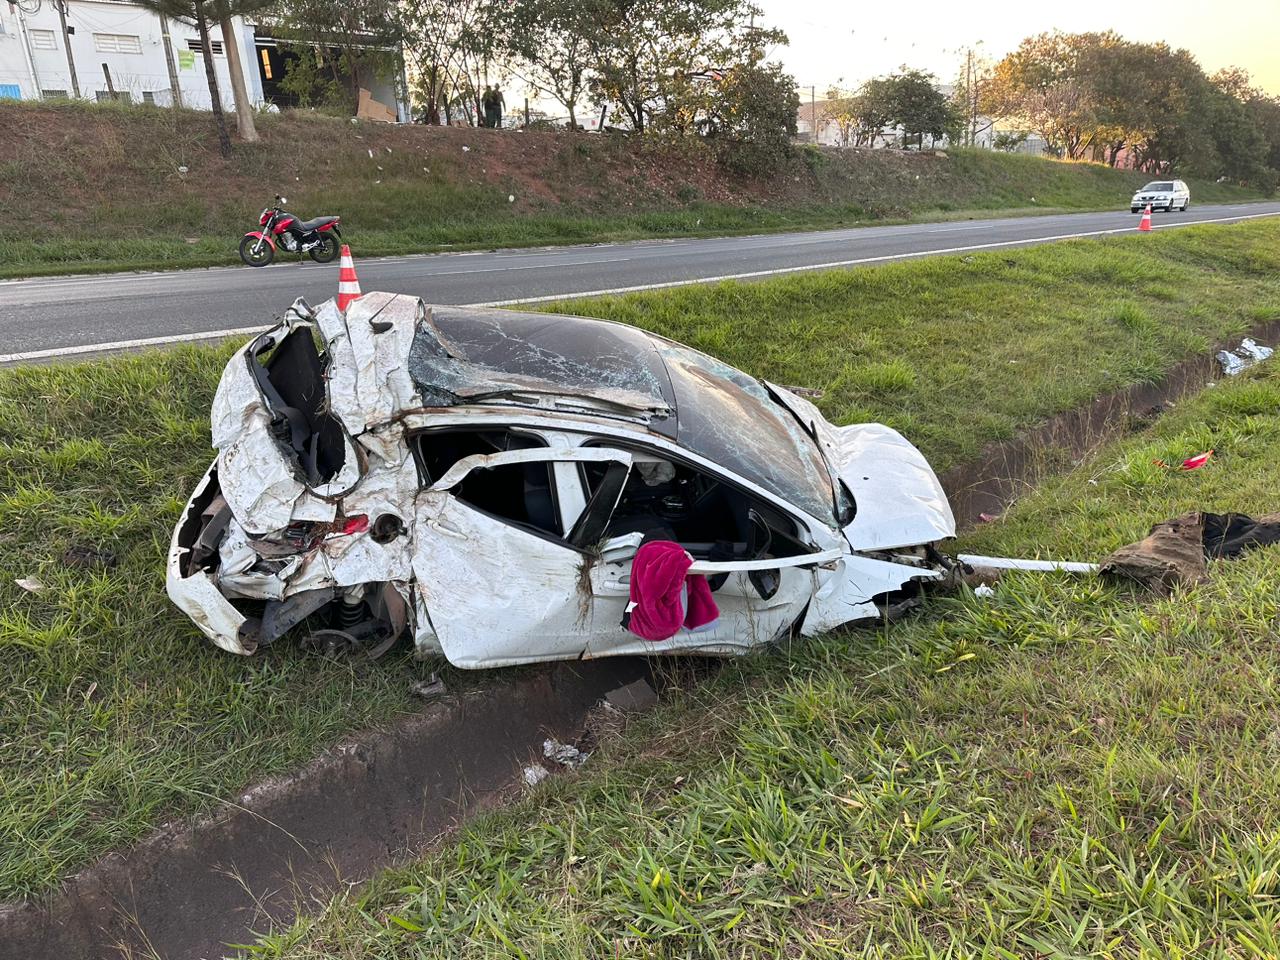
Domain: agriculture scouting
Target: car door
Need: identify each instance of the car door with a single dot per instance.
(747, 618)
(499, 591)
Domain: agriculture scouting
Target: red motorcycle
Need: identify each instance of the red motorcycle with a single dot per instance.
(319, 237)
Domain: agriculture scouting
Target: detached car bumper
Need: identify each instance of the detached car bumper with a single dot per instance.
(194, 591)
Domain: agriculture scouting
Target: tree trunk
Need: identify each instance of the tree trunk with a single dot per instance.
(215, 98)
(244, 109)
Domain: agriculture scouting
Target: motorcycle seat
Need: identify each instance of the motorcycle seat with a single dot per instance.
(308, 225)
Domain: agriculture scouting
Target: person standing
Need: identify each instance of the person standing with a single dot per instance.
(499, 105)
(486, 104)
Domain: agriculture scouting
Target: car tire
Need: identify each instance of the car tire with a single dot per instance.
(1133, 209)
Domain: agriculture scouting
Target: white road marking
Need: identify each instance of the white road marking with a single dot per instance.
(239, 331)
(128, 344)
(831, 265)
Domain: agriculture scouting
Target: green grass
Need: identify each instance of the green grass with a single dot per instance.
(79, 196)
(117, 715)
(1071, 768)
(957, 351)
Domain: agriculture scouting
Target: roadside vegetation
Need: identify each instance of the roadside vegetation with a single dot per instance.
(79, 197)
(117, 715)
(1069, 768)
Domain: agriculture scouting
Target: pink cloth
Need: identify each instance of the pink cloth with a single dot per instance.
(658, 580)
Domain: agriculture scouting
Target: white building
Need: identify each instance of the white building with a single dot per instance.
(128, 40)
(145, 55)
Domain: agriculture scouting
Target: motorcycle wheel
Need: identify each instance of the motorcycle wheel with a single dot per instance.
(261, 257)
(326, 251)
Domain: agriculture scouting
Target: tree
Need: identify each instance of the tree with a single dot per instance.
(870, 110)
(221, 12)
(751, 117)
(198, 12)
(966, 98)
(339, 46)
(919, 107)
(452, 44)
(645, 52)
(551, 41)
(1044, 84)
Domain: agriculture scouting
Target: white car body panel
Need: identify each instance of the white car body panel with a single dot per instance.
(482, 591)
(899, 498)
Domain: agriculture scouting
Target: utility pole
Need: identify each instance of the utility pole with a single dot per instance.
(813, 109)
(66, 38)
(31, 59)
(111, 87)
(174, 90)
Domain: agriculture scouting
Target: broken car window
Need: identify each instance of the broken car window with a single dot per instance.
(729, 418)
(292, 383)
(520, 493)
(712, 519)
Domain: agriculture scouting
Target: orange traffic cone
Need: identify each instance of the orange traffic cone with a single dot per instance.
(348, 284)
(1144, 224)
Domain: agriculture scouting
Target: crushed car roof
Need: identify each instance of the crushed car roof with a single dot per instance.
(472, 354)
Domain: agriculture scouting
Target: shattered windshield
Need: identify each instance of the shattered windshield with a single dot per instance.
(728, 417)
(468, 354)
(464, 354)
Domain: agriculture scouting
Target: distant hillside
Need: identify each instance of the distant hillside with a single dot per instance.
(88, 187)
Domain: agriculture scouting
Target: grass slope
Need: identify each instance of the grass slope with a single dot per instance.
(1068, 769)
(79, 195)
(116, 714)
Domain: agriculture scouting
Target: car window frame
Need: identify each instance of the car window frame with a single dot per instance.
(550, 455)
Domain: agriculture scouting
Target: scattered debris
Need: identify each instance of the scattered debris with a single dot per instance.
(1190, 463)
(466, 149)
(183, 170)
(565, 754)
(988, 517)
(1012, 563)
(511, 198)
(1243, 357)
(534, 774)
(80, 555)
(1198, 461)
(428, 689)
(1175, 552)
(633, 698)
(984, 590)
(30, 584)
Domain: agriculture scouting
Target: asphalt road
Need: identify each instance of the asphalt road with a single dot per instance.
(51, 317)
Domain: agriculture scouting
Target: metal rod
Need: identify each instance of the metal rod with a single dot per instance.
(1010, 563)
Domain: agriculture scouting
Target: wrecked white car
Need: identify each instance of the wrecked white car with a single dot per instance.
(485, 478)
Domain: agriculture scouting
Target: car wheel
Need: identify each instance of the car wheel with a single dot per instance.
(1133, 209)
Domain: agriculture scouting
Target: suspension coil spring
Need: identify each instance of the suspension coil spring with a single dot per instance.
(350, 612)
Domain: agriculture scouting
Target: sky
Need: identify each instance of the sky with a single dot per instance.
(844, 43)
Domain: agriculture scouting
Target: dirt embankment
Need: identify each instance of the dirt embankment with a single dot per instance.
(75, 170)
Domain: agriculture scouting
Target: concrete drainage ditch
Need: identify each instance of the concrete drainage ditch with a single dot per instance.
(379, 796)
(368, 803)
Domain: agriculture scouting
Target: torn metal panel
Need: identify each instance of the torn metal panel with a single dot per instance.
(848, 593)
(483, 479)
(898, 498)
(900, 501)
